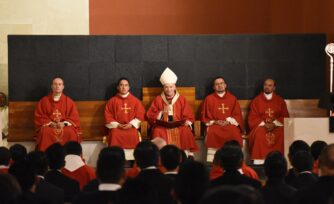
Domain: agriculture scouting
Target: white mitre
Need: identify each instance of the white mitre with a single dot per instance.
(168, 77)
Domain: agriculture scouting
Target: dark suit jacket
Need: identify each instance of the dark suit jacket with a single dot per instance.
(276, 191)
(98, 197)
(159, 183)
(318, 193)
(49, 191)
(234, 177)
(304, 180)
(92, 186)
(70, 186)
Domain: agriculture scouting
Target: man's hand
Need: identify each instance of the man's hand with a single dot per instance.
(221, 122)
(53, 125)
(269, 127)
(125, 126)
(60, 125)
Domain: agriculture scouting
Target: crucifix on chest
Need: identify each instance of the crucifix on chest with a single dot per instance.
(269, 112)
(126, 108)
(223, 108)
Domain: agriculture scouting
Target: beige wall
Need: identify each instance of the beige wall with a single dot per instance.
(38, 17)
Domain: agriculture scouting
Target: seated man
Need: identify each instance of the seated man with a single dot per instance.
(221, 114)
(56, 118)
(75, 167)
(169, 107)
(123, 114)
(265, 120)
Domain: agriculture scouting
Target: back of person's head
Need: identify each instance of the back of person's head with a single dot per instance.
(137, 191)
(38, 162)
(275, 165)
(170, 156)
(231, 157)
(232, 195)
(18, 152)
(4, 156)
(146, 154)
(110, 165)
(232, 143)
(302, 161)
(216, 158)
(191, 182)
(23, 174)
(316, 148)
(73, 147)
(9, 188)
(296, 146)
(326, 161)
(56, 156)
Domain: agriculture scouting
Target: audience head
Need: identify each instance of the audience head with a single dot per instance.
(191, 182)
(296, 146)
(275, 165)
(23, 174)
(137, 191)
(56, 156)
(216, 158)
(4, 156)
(110, 165)
(326, 161)
(146, 154)
(9, 188)
(73, 147)
(38, 162)
(170, 157)
(302, 161)
(233, 195)
(231, 157)
(18, 152)
(316, 148)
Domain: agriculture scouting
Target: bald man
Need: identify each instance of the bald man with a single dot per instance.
(265, 120)
(56, 118)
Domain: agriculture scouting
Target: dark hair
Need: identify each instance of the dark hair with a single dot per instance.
(296, 146)
(137, 191)
(218, 77)
(121, 79)
(38, 162)
(18, 152)
(4, 156)
(110, 164)
(73, 147)
(170, 157)
(146, 154)
(216, 157)
(302, 161)
(317, 147)
(23, 174)
(232, 143)
(231, 157)
(191, 182)
(275, 165)
(326, 158)
(56, 156)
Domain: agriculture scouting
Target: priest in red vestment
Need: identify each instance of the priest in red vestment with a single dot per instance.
(221, 114)
(169, 107)
(56, 118)
(123, 115)
(265, 120)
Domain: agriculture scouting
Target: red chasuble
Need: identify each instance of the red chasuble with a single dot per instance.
(48, 111)
(215, 107)
(123, 110)
(260, 142)
(180, 136)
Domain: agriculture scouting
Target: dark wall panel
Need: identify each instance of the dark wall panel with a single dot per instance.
(91, 65)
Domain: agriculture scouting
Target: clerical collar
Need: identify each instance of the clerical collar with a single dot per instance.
(109, 187)
(268, 96)
(125, 95)
(221, 95)
(73, 162)
(150, 167)
(56, 98)
(171, 172)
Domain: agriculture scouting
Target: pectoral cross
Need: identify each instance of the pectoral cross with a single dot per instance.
(126, 108)
(223, 108)
(269, 112)
(57, 115)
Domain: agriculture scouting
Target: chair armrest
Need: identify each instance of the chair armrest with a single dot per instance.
(143, 130)
(197, 129)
